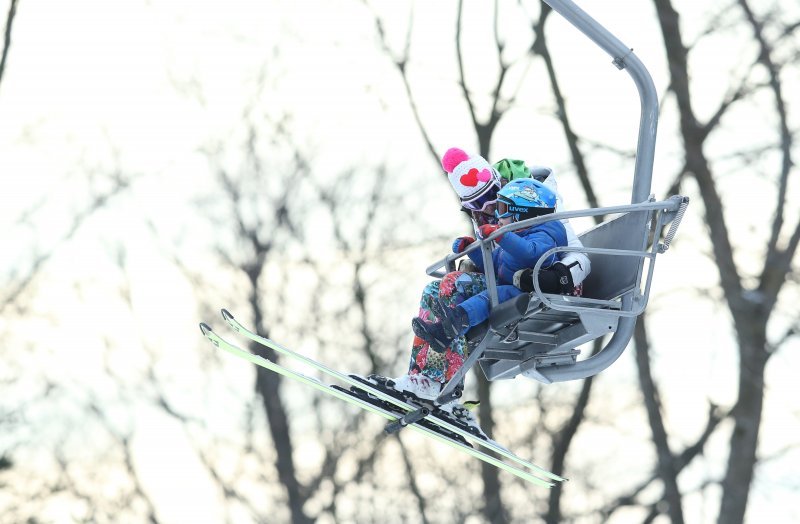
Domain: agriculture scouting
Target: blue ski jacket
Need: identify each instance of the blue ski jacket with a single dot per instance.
(522, 249)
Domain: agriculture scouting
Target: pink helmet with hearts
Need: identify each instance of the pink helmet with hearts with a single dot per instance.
(473, 178)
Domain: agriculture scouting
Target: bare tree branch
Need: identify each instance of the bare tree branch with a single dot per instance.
(683, 459)
(667, 470)
(750, 309)
(562, 445)
(696, 161)
(97, 202)
(776, 263)
(540, 48)
(12, 11)
(402, 66)
(412, 482)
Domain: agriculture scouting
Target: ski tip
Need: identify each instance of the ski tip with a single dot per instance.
(205, 328)
(226, 314)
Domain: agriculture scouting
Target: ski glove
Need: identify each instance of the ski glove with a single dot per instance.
(555, 279)
(461, 243)
(488, 229)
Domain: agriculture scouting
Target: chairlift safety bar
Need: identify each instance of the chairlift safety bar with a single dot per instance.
(441, 267)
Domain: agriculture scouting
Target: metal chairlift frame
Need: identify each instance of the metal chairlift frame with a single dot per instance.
(535, 335)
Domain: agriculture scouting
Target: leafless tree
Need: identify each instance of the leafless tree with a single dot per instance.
(12, 12)
(273, 208)
(752, 297)
(311, 260)
(502, 99)
(33, 390)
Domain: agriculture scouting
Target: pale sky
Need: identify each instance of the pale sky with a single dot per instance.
(146, 85)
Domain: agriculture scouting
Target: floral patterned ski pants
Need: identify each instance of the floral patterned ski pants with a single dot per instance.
(453, 288)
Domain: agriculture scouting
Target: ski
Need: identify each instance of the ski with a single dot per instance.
(355, 399)
(360, 383)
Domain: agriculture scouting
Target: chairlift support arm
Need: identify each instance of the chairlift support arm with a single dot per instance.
(641, 201)
(623, 58)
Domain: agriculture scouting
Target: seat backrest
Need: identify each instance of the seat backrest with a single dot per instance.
(614, 275)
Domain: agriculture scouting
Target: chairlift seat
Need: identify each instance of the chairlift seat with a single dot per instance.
(525, 335)
(536, 334)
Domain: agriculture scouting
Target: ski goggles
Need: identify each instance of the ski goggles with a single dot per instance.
(506, 209)
(485, 202)
(481, 219)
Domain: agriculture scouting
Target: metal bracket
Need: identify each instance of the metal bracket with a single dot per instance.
(619, 61)
(405, 420)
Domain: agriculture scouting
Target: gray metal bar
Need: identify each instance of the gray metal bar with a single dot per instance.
(545, 298)
(458, 376)
(671, 204)
(623, 58)
(488, 271)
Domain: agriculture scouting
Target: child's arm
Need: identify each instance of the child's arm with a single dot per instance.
(528, 250)
(477, 258)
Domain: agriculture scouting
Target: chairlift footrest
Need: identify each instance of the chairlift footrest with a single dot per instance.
(565, 357)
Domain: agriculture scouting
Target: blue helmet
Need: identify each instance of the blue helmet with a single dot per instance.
(525, 198)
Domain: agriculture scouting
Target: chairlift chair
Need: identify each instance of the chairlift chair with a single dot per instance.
(536, 335)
